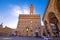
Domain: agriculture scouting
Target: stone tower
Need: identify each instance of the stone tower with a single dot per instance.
(31, 9)
(30, 22)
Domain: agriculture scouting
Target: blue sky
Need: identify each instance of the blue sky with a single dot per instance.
(10, 9)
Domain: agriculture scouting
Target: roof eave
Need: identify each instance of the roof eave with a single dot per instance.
(46, 9)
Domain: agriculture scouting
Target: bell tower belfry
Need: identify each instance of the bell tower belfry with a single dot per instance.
(31, 9)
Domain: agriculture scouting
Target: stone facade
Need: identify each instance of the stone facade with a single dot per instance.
(52, 17)
(29, 25)
(5, 31)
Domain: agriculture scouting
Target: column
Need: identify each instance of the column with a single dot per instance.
(45, 29)
(58, 24)
(50, 29)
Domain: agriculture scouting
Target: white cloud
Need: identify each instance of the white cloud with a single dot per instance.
(12, 25)
(26, 11)
(16, 10)
(1, 19)
(42, 23)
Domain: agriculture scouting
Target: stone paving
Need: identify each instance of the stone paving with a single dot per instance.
(25, 38)
(20, 38)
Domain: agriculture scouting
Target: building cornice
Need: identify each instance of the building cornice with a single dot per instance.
(46, 9)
